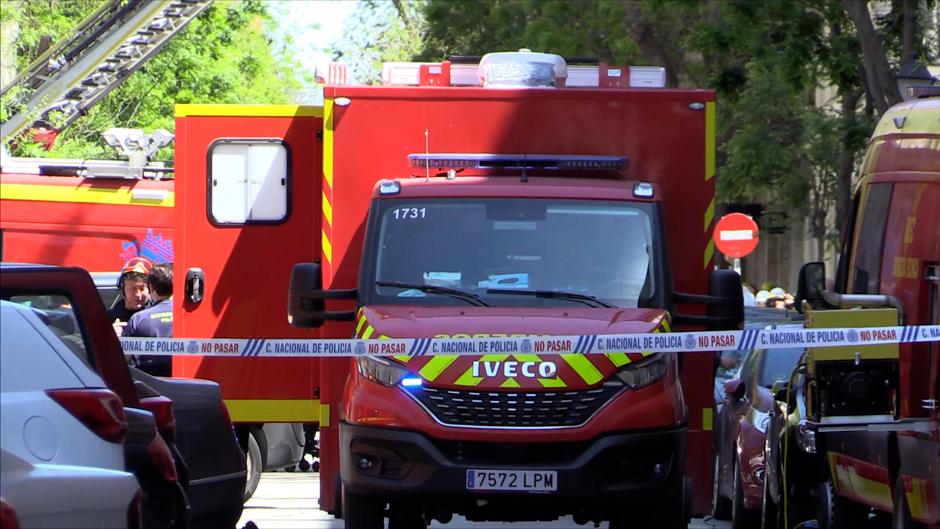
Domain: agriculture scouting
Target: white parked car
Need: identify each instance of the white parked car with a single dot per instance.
(61, 430)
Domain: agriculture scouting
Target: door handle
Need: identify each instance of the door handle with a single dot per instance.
(195, 285)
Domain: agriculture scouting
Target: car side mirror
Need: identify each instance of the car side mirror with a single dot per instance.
(306, 298)
(810, 285)
(780, 390)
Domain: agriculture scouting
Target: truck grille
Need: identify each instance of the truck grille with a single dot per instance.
(516, 409)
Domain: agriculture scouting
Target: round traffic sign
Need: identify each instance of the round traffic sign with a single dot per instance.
(736, 235)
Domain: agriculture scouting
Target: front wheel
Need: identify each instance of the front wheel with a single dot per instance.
(254, 464)
(836, 512)
(675, 514)
(768, 508)
(362, 512)
(741, 516)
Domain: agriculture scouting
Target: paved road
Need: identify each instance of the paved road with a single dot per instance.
(289, 500)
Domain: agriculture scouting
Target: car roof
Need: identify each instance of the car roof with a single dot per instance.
(88, 376)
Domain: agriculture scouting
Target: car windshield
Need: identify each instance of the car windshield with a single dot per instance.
(778, 365)
(564, 249)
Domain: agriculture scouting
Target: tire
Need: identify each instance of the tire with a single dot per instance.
(362, 512)
(741, 517)
(406, 519)
(721, 506)
(768, 508)
(901, 519)
(254, 464)
(835, 512)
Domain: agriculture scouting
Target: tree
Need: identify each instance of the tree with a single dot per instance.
(223, 56)
(378, 32)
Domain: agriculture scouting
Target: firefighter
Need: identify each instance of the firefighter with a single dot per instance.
(133, 292)
(155, 321)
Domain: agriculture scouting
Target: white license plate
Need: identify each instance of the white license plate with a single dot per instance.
(525, 480)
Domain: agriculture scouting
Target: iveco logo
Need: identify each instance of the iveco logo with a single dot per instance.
(513, 369)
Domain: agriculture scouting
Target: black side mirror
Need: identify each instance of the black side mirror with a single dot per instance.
(724, 303)
(306, 299)
(728, 312)
(810, 285)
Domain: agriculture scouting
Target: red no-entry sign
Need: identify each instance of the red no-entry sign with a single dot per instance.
(736, 235)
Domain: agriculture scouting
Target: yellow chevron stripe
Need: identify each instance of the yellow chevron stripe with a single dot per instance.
(402, 358)
(84, 195)
(583, 367)
(362, 321)
(327, 247)
(707, 419)
(328, 142)
(368, 332)
(665, 324)
(709, 140)
(277, 410)
(709, 252)
(327, 210)
(436, 366)
(556, 382)
(509, 383)
(619, 359)
(709, 214)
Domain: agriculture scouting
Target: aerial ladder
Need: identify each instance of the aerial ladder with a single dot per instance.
(75, 73)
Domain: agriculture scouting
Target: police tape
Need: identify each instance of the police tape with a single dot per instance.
(675, 342)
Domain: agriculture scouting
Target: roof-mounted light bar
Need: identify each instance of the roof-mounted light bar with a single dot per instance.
(549, 162)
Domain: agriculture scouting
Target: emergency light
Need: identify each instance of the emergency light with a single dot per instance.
(550, 162)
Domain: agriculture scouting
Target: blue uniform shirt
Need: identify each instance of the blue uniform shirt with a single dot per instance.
(153, 322)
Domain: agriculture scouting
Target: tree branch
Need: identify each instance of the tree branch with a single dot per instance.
(881, 82)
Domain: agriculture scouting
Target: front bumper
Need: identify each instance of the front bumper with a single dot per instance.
(600, 477)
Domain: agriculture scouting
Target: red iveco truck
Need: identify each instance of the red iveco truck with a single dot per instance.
(451, 209)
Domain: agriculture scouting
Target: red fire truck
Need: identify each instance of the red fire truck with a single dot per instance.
(875, 421)
(450, 209)
(441, 207)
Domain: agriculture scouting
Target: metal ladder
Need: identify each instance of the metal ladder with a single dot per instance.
(105, 48)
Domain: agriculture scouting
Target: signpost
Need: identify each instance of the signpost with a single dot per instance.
(736, 235)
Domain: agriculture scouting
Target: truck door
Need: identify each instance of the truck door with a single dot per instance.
(248, 208)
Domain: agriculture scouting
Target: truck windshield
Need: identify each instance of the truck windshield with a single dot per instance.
(487, 247)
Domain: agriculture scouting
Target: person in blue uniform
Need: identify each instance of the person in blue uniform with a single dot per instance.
(155, 321)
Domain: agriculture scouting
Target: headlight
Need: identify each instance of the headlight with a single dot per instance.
(761, 420)
(380, 370)
(645, 372)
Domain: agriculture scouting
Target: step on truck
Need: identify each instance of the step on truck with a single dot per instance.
(516, 195)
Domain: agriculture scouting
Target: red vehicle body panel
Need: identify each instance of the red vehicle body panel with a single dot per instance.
(96, 224)
(247, 267)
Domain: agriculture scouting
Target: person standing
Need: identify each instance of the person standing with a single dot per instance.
(134, 292)
(155, 321)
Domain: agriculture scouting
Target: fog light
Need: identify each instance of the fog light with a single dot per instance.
(365, 463)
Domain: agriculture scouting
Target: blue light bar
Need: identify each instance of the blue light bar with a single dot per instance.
(411, 382)
(549, 162)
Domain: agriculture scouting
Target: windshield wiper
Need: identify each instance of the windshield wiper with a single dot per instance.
(556, 294)
(470, 298)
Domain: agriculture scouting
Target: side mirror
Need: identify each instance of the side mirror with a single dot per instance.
(810, 285)
(724, 303)
(735, 388)
(779, 389)
(728, 310)
(306, 299)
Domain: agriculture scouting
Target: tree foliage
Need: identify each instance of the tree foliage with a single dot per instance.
(790, 75)
(378, 32)
(223, 56)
